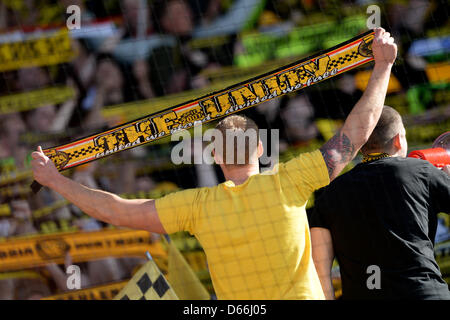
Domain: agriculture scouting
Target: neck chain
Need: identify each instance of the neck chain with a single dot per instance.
(374, 156)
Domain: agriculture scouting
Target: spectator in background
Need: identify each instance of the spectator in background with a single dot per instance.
(59, 276)
(40, 119)
(11, 127)
(407, 21)
(7, 289)
(104, 270)
(138, 27)
(93, 273)
(408, 16)
(84, 63)
(343, 93)
(23, 217)
(31, 289)
(108, 88)
(298, 120)
(23, 14)
(174, 17)
(35, 78)
(141, 75)
(167, 64)
(26, 288)
(134, 17)
(7, 227)
(204, 11)
(20, 224)
(32, 78)
(172, 69)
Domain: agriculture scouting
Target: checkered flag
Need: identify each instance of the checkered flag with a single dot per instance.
(147, 284)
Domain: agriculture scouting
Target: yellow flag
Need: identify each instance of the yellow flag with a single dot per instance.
(183, 279)
(147, 284)
(103, 292)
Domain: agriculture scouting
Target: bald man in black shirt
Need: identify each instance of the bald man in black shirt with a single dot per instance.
(379, 220)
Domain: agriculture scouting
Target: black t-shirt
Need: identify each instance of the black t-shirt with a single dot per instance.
(384, 213)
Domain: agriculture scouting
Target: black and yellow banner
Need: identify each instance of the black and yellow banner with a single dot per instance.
(104, 292)
(25, 274)
(260, 47)
(37, 251)
(14, 176)
(290, 78)
(54, 48)
(35, 99)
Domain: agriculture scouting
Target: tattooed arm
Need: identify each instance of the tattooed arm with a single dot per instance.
(358, 126)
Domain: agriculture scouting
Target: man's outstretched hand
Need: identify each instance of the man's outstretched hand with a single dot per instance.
(384, 48)
(44, 170)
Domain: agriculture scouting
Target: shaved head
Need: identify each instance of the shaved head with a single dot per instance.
(389, 125)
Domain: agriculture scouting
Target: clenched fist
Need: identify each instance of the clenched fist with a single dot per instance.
(44, 170)
(384, 48)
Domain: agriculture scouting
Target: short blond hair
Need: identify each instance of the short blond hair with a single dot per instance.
(235, 127)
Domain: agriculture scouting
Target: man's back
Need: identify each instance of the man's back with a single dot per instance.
(383, 213)
(255, 235)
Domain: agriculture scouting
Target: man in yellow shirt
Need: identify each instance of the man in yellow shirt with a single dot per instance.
(253, 227)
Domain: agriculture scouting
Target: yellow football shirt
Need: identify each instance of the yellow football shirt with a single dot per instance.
(255, 235)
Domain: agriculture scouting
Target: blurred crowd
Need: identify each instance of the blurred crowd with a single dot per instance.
(147, 51)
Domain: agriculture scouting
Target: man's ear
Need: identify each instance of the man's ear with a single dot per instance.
(396, 142)
(217, 160)
(260, 149)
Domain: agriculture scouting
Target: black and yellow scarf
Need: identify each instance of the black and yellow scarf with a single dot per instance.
(374, 156)
(293, 77)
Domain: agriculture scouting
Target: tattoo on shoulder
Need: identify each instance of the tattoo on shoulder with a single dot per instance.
(338, 150)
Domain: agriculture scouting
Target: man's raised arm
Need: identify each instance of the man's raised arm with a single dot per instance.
(104, 206)
(342, 148)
